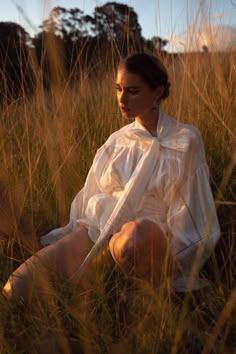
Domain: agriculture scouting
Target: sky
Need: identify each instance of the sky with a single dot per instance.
(186, 24)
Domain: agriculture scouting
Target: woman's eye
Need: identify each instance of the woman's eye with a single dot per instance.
(130, 91)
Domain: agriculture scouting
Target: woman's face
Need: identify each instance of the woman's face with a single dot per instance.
(134, 96)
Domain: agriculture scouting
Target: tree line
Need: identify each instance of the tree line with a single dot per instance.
(67, 42)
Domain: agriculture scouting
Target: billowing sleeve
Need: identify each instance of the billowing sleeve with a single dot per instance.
(91, 187)
(192, 219)
(78, 206)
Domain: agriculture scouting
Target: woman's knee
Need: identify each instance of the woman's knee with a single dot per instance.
(139, 245)
(142, 226)
(25, 279)
(133, 239)
(121, 244)
(59, 259)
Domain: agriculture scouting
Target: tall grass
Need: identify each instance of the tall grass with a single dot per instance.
(47, 146)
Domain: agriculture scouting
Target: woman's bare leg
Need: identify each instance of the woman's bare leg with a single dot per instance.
(142, 249)
(63, 258)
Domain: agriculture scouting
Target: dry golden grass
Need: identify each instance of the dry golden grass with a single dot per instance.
(47, 146)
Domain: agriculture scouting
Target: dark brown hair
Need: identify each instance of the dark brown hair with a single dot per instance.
(150, 69)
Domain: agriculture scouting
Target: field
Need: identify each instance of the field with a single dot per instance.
(47, 146)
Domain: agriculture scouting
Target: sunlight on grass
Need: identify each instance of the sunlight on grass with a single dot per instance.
(47, 145)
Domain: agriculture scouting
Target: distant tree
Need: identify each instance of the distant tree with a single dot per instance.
(16, 74)
(158, 43)
(119, 23)
(69, 23)
(49, 50)
(205, 49)
(64, 44)
(111, 23)
(70, 40)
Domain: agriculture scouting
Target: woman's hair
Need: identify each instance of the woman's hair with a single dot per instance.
(150, 69)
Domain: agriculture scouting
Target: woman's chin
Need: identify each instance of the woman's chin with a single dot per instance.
(127, 115)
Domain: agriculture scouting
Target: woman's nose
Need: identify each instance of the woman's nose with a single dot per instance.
(123, 97)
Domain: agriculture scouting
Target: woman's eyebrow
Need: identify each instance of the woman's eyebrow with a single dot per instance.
(128, 87)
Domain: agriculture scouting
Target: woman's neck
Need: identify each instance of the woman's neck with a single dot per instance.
(150, 122)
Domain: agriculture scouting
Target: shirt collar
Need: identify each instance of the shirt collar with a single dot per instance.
(168, 133)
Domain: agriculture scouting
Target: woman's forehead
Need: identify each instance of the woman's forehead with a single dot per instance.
(126, 78)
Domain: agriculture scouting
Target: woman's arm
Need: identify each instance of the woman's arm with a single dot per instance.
(192, 218)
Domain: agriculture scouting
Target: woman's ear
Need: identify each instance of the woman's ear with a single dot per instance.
(159, 92)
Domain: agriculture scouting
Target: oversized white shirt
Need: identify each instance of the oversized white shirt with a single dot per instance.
(167, 179)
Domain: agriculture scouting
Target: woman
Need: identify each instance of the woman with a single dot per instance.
(167, 210)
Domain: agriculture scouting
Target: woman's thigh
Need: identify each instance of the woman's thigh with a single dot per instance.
(62, 258)
(141, 247)
(66, 255)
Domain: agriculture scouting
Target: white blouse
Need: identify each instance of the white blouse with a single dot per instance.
(163, 179)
